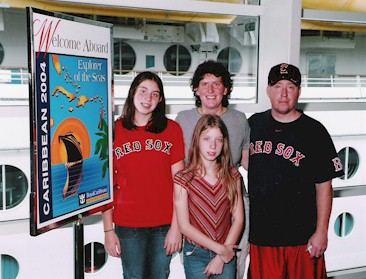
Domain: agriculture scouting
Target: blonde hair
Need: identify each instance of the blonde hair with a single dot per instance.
(223, 160)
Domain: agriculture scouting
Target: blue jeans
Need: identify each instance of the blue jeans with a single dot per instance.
(197, 260)
(143, 254)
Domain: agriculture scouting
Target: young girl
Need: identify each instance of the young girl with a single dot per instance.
(209, 203)
(148, 151)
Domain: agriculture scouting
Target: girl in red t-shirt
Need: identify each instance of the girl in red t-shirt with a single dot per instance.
(148, 150)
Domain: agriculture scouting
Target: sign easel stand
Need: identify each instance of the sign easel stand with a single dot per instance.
(79, 249)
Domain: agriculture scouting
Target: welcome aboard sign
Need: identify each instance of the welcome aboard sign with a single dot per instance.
(70, 117)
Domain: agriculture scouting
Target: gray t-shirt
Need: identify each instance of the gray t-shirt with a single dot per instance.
(236, 123)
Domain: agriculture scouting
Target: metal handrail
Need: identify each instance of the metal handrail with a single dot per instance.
(15, 75)
(316, 88)
(21, 76)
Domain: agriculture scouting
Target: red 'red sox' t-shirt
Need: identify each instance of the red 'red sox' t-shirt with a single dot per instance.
(142, 169)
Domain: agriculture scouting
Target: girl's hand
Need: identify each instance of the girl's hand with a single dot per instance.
(173, 241)
(112, 244)
(228, 252)
(214, 267)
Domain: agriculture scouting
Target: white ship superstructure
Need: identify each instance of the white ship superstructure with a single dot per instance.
(171, 38)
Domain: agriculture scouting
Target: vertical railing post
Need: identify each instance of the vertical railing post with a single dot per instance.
(79, 249)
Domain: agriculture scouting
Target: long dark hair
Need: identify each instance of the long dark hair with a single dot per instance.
(218, 70)
(158, 121)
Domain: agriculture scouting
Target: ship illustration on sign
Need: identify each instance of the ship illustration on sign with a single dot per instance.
(74, 165)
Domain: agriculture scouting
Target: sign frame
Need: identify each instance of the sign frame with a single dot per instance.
(71, 119)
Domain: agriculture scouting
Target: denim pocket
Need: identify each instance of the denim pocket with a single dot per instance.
(189, 248)
(160, 230)
(126, 233)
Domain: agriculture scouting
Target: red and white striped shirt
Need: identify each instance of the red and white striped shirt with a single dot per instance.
(208, 205)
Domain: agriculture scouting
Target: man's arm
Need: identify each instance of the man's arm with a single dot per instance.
(324, 198)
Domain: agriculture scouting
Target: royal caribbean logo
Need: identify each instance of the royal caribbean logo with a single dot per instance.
(93, 196)
(82, 198)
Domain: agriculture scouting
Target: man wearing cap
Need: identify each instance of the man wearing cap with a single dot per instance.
(291, 165)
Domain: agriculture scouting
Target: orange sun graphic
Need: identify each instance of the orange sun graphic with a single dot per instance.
(78, 129)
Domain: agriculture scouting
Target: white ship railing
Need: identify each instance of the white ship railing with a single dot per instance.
(315, 88)
(13, 76)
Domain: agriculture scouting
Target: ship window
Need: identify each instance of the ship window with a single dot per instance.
(350, 161)
(9, 267)
(320, 69)
(343, 224)
(95, 257)
(231, 58)
(124, 57)
(13, 187)
(177, 60)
